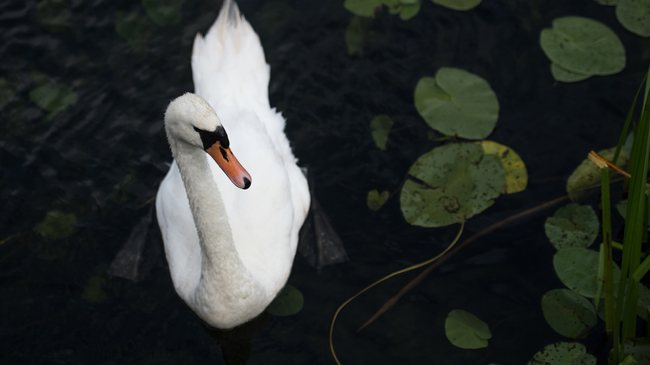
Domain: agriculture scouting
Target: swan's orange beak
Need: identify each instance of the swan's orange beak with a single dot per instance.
(230, 166)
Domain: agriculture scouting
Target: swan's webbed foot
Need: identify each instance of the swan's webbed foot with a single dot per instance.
(319, 243)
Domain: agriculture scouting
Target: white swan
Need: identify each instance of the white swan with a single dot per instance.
(229, 250)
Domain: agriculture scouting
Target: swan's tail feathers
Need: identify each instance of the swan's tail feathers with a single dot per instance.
(228, 63)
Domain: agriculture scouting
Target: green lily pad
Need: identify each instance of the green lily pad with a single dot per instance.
(409, 10)
(561, 353)
(568, 313)
(643, 302)
(458, 4)
(133, 28)
(607, 2)
(355, 33)
(587, 175)
(364, 8)
(639, 349)
(449, 184)
(57, 225)
(583, 46)
(289, 302)
(376, 200)
(93, 292)
(6, 92)
(457, 102)
(380, 128)
(577, 268)
(634, 15)
(621, 208)
(564, 75)
(466, 331)
(163, 12)
(516, 177)
(53, 15)
(53, 97)
(574, 225)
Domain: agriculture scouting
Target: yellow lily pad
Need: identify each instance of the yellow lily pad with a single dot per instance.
(516, 177)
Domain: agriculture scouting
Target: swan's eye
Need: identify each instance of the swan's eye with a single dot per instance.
(210, 138)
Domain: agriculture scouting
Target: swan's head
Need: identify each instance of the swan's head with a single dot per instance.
(190, 119)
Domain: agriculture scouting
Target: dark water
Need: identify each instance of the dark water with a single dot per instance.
(103, 157)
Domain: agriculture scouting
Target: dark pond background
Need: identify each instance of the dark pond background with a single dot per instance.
(103, 157)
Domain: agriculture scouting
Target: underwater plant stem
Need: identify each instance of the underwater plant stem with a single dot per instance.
(460, 232)
(487, 230)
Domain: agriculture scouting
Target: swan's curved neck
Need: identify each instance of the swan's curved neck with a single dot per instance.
(220, 262)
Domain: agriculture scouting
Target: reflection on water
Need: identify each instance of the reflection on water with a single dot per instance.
(83, 87)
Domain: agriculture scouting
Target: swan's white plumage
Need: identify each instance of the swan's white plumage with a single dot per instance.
(201, 222)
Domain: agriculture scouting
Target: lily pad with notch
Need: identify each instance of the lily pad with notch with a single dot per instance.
(583, 46)
(577, 268)
(466, 331)
(457, 103)
(564, 75)
(634, 15)
(568, 313)
(449, 184)
(573, 225)
(376, 200)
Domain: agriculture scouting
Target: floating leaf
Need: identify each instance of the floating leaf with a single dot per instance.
(577, 268)
(163, 12)
(355, 33)
(53, 97)
(57, 225)
(516, 176)
(607, 2)
(561, 353)
(587, 175)
(639, 349)
(564, 75)
(643, 302)
(451, 183)
(364, 8)
(133, 28)
(466, 331)
(583, 46)
(53, 15)
(458, 4)
(6, 92)
(376, 200)
(93, 292)
(634, 15)
(458, 103)
(289, 302)
(409, 10)
(574, 225)
(380, 127)
(568, 313)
